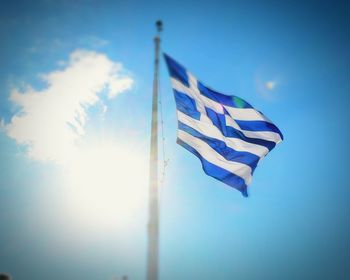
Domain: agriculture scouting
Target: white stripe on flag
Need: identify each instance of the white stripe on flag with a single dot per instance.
(200, 99)
(239, 169)
(242, 114)
(265, 135)
(212, 131)
(247, 114)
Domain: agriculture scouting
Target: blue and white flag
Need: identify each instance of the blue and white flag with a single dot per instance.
(225, 132)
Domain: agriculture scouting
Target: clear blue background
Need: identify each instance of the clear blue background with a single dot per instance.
(294, 225)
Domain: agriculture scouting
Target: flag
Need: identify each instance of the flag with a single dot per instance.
(225, 132)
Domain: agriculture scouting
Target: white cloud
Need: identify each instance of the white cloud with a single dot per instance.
(51, 121)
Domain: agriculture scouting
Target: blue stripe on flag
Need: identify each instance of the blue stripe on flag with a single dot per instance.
(229, 131)
(218, 120)
(186, 105)
(226, 136)
(217, 172)
(232, 101)
(176, 70)
(258, 126)
(221, 147)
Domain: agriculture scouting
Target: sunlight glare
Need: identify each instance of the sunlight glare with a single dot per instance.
(107, 184)
(270, 85)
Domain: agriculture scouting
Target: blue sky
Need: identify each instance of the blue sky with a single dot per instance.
(73, 201)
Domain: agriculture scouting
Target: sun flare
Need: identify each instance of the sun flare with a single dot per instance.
(106, 185)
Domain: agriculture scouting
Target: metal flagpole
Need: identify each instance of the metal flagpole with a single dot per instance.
(153, 223)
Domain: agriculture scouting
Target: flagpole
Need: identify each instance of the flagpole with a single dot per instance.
(153, 222)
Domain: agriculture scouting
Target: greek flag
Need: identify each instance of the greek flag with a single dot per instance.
(225, 132)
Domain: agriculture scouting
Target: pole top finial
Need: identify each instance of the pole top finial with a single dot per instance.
(159, 25)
